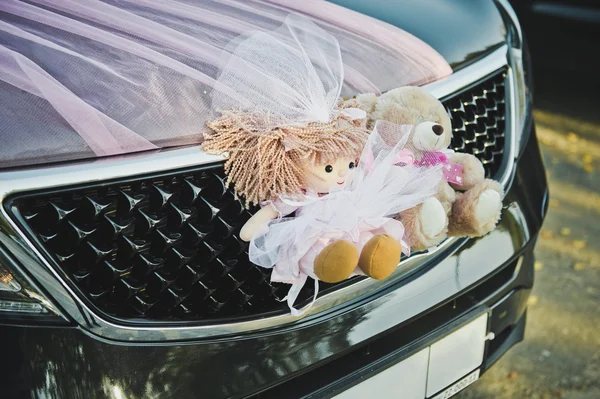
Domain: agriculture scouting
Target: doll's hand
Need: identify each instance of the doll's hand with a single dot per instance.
(258, 223)
(251, 229)
(247, 231)
(263, 229)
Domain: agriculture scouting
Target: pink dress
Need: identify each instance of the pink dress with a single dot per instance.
(285, 272)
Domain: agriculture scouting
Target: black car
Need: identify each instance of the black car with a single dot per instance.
(212, 325)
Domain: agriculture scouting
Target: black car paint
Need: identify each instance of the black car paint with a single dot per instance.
(461, 31)
(68, 363)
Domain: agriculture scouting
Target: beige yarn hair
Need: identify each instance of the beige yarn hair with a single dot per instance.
(264, 164)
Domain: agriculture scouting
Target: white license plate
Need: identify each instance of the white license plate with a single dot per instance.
(459, 386)
(438, 371)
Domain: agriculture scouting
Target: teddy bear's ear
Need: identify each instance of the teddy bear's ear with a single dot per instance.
(367, 102)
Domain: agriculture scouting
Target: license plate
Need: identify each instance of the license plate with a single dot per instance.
(459, 386)
(438, 371)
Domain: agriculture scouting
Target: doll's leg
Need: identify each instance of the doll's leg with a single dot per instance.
(336, 261)
(380, 256)
(476, 211)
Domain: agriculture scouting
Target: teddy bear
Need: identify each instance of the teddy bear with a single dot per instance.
(466, 204)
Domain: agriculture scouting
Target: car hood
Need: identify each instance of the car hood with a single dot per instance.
(460, 30)
(87, 81)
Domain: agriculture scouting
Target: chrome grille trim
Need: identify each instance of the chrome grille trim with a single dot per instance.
(14, 239)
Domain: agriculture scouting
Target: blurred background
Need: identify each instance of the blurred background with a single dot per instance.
(560, 357)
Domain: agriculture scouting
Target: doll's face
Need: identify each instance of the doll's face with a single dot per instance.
(330, 176)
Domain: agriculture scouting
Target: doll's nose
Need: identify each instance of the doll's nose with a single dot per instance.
(343, 172)
(438, 130)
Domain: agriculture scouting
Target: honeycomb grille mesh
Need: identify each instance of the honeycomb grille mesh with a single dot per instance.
(479, 122)
(166, 248)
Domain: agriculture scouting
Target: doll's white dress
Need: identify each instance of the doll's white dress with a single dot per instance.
(379, 190)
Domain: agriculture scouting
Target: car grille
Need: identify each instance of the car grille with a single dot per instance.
(479, 122)
(166, 248)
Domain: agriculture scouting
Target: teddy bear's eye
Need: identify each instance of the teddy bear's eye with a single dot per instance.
(328, 168)
(352, 165)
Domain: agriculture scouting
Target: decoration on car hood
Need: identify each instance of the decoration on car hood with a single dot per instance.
(104, 78)
(296, 148)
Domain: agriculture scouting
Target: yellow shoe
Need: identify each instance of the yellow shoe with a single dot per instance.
(380, 256)
(336, 262)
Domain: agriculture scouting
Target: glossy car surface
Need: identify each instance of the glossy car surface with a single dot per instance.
(351, 332)
(461, 31)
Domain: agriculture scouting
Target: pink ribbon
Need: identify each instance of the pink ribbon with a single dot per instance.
(404, 157)
(452, 171)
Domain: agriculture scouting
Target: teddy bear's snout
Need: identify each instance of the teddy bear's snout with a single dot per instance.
(438, 130)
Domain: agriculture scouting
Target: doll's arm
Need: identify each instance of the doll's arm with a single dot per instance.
(472, 172)
(257, 221)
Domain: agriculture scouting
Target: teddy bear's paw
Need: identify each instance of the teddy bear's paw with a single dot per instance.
(476, 211)
(488, 207)
(473, 172)
(432, 217)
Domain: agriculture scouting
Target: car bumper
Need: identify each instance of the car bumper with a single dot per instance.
(316, 357)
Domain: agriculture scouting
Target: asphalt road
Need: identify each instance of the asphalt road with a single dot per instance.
(560, 356)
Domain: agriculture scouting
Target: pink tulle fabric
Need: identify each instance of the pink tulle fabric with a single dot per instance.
(81, 79)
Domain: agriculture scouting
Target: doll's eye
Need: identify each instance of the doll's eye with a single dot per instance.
(352, 165)
(328, 168)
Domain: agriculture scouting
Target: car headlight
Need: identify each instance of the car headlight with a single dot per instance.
(19, 300)
(520, 63)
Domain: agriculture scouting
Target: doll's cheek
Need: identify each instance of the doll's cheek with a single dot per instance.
(350, 176)
(311, 181)
(318, 183)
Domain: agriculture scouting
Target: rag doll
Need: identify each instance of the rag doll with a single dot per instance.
(284, 178)
(293, 147)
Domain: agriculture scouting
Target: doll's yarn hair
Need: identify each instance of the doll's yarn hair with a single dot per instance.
(262, 165)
